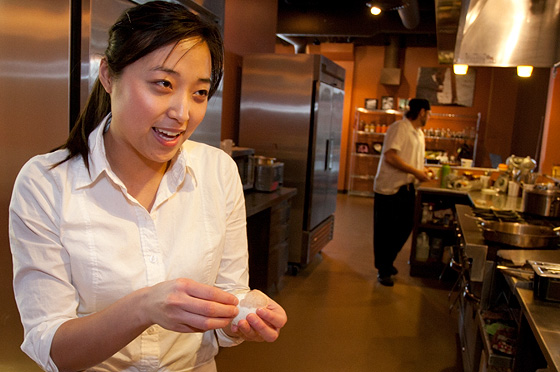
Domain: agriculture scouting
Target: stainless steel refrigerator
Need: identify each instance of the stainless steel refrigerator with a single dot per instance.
(291, 109)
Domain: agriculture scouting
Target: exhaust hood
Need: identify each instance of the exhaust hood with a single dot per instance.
(508, 33)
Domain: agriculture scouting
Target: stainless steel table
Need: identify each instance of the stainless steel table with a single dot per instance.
(543, 316)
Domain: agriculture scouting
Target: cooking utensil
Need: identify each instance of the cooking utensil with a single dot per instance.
(263, 160)
(520, 235)
(542, 202)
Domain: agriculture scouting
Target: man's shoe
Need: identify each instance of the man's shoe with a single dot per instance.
(385, 280)
(394, 271)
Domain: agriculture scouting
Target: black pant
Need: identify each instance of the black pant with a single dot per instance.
(393, 217)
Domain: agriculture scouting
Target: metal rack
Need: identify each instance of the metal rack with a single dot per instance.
(363, 165)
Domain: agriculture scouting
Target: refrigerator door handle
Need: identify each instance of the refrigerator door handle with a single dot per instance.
(328, 155)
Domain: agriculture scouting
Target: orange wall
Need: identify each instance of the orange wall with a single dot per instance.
(366, 84)
(550, 152)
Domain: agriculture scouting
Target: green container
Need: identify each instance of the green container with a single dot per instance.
(445, 170)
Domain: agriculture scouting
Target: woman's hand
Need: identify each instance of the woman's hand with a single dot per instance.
(265, 325)
(183, 305)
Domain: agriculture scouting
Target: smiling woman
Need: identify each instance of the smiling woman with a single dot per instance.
(156, 104)
(129, 241)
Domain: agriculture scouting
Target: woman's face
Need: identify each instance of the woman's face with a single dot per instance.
(158, 101)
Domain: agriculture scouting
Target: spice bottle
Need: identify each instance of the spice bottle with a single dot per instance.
(445, 170)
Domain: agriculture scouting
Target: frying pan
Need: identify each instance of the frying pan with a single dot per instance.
(521, 235)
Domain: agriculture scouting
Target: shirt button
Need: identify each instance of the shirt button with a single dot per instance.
(153, 259)
(151, 330)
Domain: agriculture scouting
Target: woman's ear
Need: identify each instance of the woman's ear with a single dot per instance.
(104, 75)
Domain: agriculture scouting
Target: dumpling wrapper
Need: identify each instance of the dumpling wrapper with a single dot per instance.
(249, 302)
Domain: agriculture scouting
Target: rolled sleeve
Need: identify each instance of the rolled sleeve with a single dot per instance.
(42, 288)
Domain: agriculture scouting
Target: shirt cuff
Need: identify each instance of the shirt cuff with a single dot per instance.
(224, 340)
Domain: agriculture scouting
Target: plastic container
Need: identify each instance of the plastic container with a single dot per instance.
(436, 248)
(422, 247)
(426, 213)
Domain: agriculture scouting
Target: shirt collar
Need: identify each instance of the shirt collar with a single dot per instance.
(97, 158)
(98, 163)
(411, 126)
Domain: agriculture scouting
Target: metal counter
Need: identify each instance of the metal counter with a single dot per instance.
(474, 244)
(495, 200)
(479, 199)
(257, 201)
(543, 316)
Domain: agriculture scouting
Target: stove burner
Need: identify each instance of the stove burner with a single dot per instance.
(514, 216)
(498, 215)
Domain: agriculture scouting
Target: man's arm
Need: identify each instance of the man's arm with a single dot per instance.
(392, 158)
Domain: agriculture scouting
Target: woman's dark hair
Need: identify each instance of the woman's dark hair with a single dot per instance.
(139, 31)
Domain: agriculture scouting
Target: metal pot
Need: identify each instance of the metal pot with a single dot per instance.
(542, 202)
(263, 160)
(520, 235)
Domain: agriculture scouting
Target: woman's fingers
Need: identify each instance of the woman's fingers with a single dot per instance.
(184, 305)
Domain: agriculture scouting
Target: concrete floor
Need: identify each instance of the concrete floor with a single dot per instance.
(339, 318)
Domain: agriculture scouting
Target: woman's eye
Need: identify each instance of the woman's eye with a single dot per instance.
(202, 93)
(164, 84)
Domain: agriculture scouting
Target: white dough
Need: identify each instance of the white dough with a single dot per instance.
(249, 302)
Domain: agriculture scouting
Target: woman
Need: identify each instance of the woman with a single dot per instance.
(128, 241)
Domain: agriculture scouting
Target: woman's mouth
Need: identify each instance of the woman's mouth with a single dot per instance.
(166, 135)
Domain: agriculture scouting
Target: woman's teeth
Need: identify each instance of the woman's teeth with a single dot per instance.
(166, 134)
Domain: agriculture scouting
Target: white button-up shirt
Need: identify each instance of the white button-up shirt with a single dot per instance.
(80, 242)
(410, 145)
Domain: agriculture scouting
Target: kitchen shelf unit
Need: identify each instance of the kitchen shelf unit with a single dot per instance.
(450, 133)
(367, 142)
(436, 229)
(443, 133)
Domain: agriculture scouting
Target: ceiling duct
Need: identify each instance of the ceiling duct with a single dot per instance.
(506, 33)
(299, 42)
(391, 73)
(410, 14)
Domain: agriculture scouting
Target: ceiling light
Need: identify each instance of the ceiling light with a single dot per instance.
(375, 10)
(524, 71)
(375, 7)
(460, 69)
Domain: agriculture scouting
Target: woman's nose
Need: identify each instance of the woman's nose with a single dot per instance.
(179, 108)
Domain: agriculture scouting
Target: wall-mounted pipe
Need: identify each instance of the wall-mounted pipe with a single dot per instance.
(391, 73)
(391, 58)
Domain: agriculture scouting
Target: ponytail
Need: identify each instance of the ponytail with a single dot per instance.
(97, 107)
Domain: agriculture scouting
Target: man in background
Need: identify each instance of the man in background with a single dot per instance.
(401, 167)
